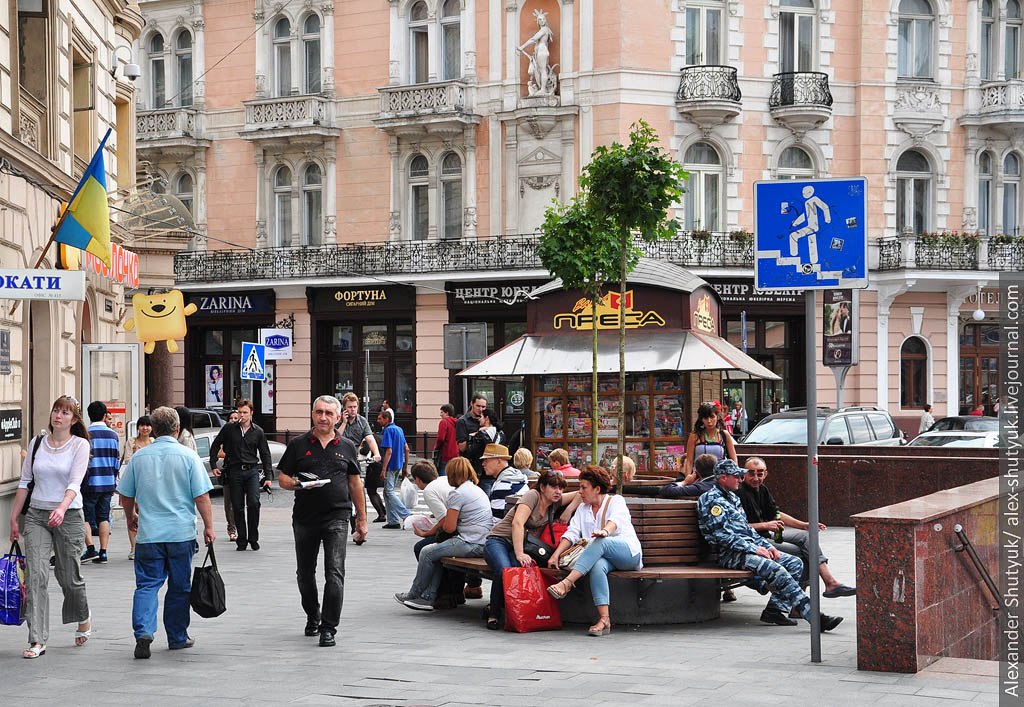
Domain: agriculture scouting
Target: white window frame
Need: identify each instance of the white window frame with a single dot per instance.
(416, 29)
(281, 205)
(186, 197)
(312, 224)
(1012, 40)
(702, 175)
(906, 181)
(182, 55)
(445, 22)
(157, 67)
(985, 193)
(909, 52)
(786, 172)
(1011, 194)
(698, 39)
(987, 60)
(281, 74)
(446, 230)
(304, 42)
(805, 25)
(416, 183)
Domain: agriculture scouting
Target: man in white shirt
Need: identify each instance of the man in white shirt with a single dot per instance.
(435, 494)
(926, 420)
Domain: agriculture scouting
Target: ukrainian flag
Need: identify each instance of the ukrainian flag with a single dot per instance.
(86, 222)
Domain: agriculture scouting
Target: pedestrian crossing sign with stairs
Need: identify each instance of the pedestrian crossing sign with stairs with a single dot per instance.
(254, 361)
(810, 234)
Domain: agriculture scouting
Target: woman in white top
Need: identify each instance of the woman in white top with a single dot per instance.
(143, 439)
(604, 520)
(185, 436)
(54, 521)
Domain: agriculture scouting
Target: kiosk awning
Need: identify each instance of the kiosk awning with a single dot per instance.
(572, 353)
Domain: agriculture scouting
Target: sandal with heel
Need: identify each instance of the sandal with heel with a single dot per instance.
(34, 651)
(560, 589)
(82, 637)
(602, 628)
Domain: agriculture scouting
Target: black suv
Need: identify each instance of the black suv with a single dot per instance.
(863, 425)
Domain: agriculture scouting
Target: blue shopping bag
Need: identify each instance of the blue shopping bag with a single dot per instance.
(12, 587)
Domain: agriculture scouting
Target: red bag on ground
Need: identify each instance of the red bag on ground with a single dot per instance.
(528, 606)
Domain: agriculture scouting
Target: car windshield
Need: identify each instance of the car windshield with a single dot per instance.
(946, 439)
(782, 430)
(982, 424)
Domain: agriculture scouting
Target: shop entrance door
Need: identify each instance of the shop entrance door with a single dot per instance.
(110, 372)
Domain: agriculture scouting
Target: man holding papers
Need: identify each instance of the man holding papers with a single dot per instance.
(321, 467)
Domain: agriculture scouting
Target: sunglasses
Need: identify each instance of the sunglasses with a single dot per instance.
(72, 399)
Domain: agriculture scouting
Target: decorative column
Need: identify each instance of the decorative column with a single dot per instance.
(971, 217)
(887, 294)
(295, 237)
(997, 197)
(955, 298)
(295, 42)
(199, 197)
(468, 38)
(327, 49)
(512, 87)
(261, 198)
(395, 222)
(263, 56)
(395, 46)
(494, 17)
(433, 44)
(469, 221)
(198, 63)
(330, 186)
(566, 40)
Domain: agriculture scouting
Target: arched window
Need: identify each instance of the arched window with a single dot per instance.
(419, 198)
(157, 71)
(1011, 194)
(184, 190)
(913, 373)
(419, 45)
(704, 190)
(795, 163)
(1011, 56)
(451, 196)
(282, 206)
(311, 54)
(451, 41)
(988, 39)
(985, 193)
(282, 57)
(916, 44)
(312, 205)
(183, 64)
(913, 193)
(796, 35)
(703, 33)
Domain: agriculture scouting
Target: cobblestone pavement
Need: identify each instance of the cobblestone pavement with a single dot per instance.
(388, 655)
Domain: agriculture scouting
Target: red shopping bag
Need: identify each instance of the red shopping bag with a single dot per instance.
(555, 530)
(528, 606)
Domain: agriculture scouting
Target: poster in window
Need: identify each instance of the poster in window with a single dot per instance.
(267, 391)
(214, 386)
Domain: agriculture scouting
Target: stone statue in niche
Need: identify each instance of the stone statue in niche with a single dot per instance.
(543, 79)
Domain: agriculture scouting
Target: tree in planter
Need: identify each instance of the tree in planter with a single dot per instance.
(625, 191)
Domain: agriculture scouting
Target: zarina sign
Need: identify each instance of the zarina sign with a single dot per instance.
(582, 318)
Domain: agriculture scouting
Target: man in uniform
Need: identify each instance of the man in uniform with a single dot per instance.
(321, 514)
(725, 527)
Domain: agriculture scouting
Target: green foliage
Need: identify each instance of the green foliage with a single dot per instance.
(569, 249)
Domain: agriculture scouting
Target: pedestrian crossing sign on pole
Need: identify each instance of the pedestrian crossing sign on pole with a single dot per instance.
(254, 361)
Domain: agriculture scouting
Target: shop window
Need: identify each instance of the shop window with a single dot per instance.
(403, 337)
(796, 35)
(183, 64)
(341, 339)
(419, 44)
(312, 205)
(775, 335)
(1011, 55)
(451, 41)
(282, 57)
(987, 43)
(311, 54)
(985, 192)
(282, 206)
(1011, 193)
(375, 337)
(157, 71)
(419, 197)
(451, 196)
(703, 33)
(916, 44)
(979, 366)
(913, 193)
(703, 198)
(913, 373)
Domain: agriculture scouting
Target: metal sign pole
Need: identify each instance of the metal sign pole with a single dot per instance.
(812, 470)
(366, 385)
(840, 374)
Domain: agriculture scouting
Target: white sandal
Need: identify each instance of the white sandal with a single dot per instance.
(83, 636)
(34, 651)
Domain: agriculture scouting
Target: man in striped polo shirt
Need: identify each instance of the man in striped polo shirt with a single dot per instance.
(100, 481)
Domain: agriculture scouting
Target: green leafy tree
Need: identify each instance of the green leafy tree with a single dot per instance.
(625, 194)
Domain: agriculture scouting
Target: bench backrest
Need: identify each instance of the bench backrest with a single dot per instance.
(668, 530)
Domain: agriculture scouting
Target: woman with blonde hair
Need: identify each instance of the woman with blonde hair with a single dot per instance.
(559, 460)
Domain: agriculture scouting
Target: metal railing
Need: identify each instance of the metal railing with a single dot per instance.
(708, 83)
(800, 88)
(165, 122)
(965, 545)
(514, 252)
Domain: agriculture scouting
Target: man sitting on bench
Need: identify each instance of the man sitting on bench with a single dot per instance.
(724, 525)
(701, 480)
(766, 518)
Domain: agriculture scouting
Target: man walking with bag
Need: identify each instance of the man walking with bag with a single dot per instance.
(327, 461)
(162, 487)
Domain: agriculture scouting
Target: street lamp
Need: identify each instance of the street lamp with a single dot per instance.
(979, 313)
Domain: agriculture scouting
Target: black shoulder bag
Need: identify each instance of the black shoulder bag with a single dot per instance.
(208, 597)
(31, 465)
(536, 548)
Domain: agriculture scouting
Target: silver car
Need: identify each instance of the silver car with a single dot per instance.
(204, 438)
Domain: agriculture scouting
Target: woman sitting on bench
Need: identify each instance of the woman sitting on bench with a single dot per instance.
(604, 520)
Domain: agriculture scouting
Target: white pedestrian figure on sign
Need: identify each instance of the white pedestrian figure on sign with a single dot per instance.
(810, 231)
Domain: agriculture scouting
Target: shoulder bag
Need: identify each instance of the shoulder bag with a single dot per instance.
(568, 559)
(207, 596)
(537, 548)
(31, 464)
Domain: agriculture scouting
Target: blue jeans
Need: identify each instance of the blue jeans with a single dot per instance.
(428, 569)
(307, 548)
(499, 554)
(396, 510)
(601, 557)
(155, 563)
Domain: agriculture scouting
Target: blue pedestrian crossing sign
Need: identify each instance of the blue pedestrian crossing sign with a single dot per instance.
(254, 361)
(810, 234)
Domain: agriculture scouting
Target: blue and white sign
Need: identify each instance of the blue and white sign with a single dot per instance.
(278, 343)
(810, 234)
(67, 285)
(254, 361)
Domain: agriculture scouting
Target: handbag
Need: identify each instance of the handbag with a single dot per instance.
(567, 560)
(536, 547)
(207, 597)
(31, 464)
(12, 587)
(528, 606)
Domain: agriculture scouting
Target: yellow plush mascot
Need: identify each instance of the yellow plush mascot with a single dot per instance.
(160, 318)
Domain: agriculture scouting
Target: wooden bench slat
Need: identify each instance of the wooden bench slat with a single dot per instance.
(704, 571)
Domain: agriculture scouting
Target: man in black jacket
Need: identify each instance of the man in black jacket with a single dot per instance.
(242, 442)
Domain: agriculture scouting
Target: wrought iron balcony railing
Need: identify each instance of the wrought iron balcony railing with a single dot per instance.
(800, 88)
(950, 252)
(518, 252)
(708, 83)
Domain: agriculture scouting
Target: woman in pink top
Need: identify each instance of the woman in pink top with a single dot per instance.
(559, 460)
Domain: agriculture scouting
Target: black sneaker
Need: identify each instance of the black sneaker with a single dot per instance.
(142, 646)
(90, 552)
(327, 639)
(774, 616)
(392, 526)
(101, 558)
(830, 622)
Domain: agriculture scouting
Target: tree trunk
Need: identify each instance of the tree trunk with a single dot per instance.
(593, 381)
(622, 361)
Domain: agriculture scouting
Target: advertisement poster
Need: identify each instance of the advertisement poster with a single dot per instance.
(838, 328)
(214, 387)
(267, 393)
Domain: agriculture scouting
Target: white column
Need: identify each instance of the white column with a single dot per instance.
(955, 298)
(198, 63)
(262, 203)
(467, 33)
(397, 62)
(395, 221)
(433, 199)
(327, 50)
(494, 16)
(331, 197)
(295, 42)
(297, 225)
(887, 294)
(264, 56)
(971, 178)
(434, 47)
(586, 35)
(199, 197)
(512, 89)
(997, 196)
(469, 220)
(566, 42)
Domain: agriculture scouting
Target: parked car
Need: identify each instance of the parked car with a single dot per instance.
(956, 438)
(972, 423)
(205, 418)
(863, 425)
(204, 438)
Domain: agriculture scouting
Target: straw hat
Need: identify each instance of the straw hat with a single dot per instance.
(495, 451)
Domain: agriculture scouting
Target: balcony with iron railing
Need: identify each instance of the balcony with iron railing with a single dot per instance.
(951, 251)
(999, 104)
(169, 126)
(289, 116)
(512, 253)
(438, 107)
(800, 100)
(708, 95)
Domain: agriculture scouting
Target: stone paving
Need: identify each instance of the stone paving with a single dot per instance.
(388, 655)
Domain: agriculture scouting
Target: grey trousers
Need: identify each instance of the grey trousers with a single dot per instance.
(67, 542)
